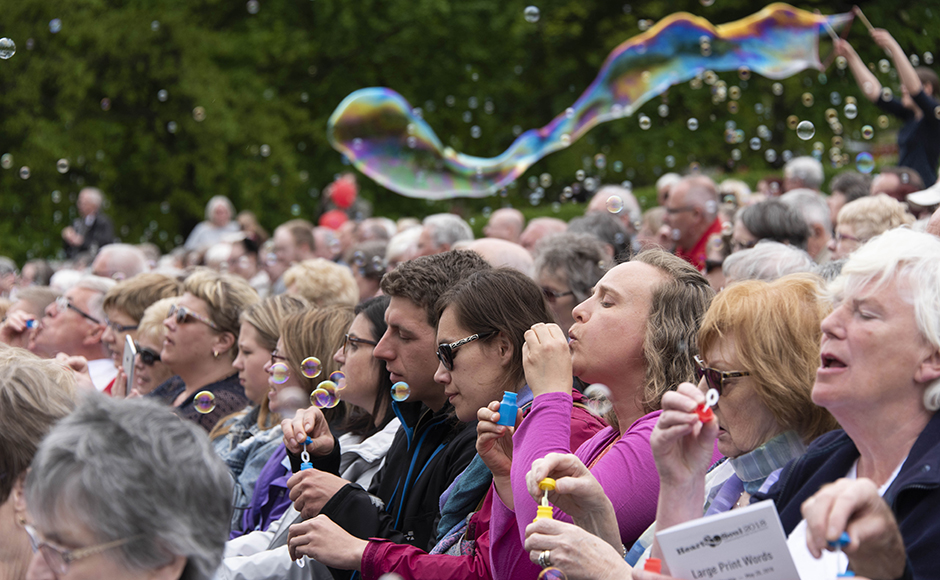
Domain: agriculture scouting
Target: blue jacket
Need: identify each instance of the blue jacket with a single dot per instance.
(914, 496)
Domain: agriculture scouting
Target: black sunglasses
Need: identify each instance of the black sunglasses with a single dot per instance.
(147, 356)
(445, 352)
(715, 378)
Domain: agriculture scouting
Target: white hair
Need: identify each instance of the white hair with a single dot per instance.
(667, 180)
(402, 245)
(94, 195)
(807, 170)
(446, 228)
(98, 285)
(809, 204)
(766, 261)
(898, 255)
(216, 200)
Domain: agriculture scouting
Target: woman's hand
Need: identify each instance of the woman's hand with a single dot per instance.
(308, 422)
(494, 442)
(577, 553)
(326, 542)
(546, 359)
(311, 489)
(119, 388)
(876, 548)
(682, 445)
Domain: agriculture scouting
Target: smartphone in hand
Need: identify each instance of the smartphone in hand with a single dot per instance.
(130, 353)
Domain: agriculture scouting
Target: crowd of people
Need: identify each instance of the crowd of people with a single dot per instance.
(376, 397)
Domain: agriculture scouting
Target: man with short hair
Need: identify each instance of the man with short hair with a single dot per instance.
(814, 210)
(620, 202)
(293, 242)
(91, 229)
(845, 187)
(506, 223)
(803, 172)
(692, 213)
(432, 447)
(441, 231)
(539, 228)
(74, 325)
(119, 262)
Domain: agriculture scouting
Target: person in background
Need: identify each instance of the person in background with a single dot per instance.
(31, 302)
(149, 371)
(292, 242)
(567, 267)
(244, 261)
(501, 253)
(219, 223)
(402, 247)
(506, 223)
(440, 232)
(897, 182)
(619, 202)
(654, 233)
(608, 229)
(367, 261)
(91, 229)
(664, 185)
(845, 187)
(768, 220)
(538, 228)
(119, 262)
(85, 489)
(34, 394)
(814, 210)
(865, 218)
(36, 273)
(7, 276)
(803, 173)
(767, 261)
(322, 283)
(253, 230)
(200, 344)
(692, 213)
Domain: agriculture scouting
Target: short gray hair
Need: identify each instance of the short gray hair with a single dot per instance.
(807, 170)
(100, 286)
(904, 254)
(767, 261)
(580, 256)
(131, 469)
(811, 205)
(446, 228)
(123, 259)
(94, 195)
(216, 200)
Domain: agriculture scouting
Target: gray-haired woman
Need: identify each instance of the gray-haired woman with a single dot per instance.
(125, 489)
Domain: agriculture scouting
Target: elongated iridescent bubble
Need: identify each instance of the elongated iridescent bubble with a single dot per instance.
(376, 129)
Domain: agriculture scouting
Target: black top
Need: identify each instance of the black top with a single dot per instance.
(229, 397)
(918, 141)
(99, 233)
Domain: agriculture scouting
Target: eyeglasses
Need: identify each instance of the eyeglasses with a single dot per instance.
(63, 303)
(846, 238)
(183, 315)
(119, 327)
(356, 340)
(58, 559)
(715, 378)
(445, 352)
(276, 357)
(147, 356)
(551, 296)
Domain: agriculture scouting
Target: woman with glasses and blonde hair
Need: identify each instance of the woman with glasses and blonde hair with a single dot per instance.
(200, 345)
(865, 218)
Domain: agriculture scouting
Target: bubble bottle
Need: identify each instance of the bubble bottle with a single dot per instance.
(508, 408)
(544, 511)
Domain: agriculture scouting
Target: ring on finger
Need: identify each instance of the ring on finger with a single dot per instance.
(545, 559)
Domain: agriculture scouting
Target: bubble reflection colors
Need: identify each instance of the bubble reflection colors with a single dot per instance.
(615, 204)
(552, 574)
(805, 130)
(692, 124)
(24, 172)
(7, 48)
(310, 367)
(62, 166)
(850, 111)
(598, 399)
(324, 396)
(339, 378)
(204, 402)
(6, 161)
(280, 372)
(401, 391)
(867, 132)
(777, 42)
(531, 14)
(55, 25)
(864, 162)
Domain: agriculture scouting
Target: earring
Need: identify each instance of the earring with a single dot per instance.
(21, 521)
(215, 354)
(932, 396)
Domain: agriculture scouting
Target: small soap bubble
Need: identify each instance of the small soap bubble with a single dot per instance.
(663, 110)
(733, 107)
(744, 73)
(734, 93)
(883, 65)
(841, 62)
(579, 175)
(555, 573)
(400, 391)
(600, 161)
(770, 155)
(7, 48)
(280, 372)
(475, 131)
(883, 121)
(928, 58)
(265, 150)
(670, 161)
(590, 184)
(295, 208)
(204, 402)
(618, 165)
(531, 14)
(569, 113)
(808, 100)
(867, 132)
(324, 396)
(615, 204)
(754, 143)
(915, 60)
(864, 162)
(339, 378)
(835, 99)
(644, 24)
(56, 196)
(777, 89)
(24, 172)
(105, 104)
(6, 161)
(805, 130)
(252, 6)
(545, 180)
(55, 25)
(598, 396)
(199, 114)
(850, 111)
(162, 95)
(692, 124)
(645, 122)
(155, 26)
(736, 154)
(886, 94)
(172, 127)
(565, 138)
(310, 367)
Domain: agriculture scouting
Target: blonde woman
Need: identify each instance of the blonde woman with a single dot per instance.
(865, 218)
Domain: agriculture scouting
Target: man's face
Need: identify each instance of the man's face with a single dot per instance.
(409, 349)
(66, 329)
(284, 247)
(85, 204)
(887, 183)
(681, 217)
(426, 245)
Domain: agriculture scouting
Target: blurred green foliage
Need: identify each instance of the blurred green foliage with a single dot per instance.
(267, 82)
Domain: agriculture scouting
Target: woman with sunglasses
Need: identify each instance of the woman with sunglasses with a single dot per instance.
(149, 371)
(760, 350)
(301, 360)
(246, 439)
(480, 334)
(200, 345)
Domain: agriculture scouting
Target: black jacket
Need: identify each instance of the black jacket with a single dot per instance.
(429, 451)
(914, 496)
(99, 233)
